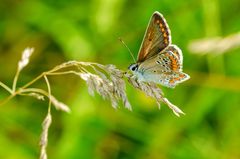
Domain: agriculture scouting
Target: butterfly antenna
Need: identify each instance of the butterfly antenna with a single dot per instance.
(120, 39)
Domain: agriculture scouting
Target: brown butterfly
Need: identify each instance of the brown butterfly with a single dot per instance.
(158, 60)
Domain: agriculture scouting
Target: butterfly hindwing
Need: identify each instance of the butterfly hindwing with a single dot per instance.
(171, 80)
(165, 61)
(169, 61)
(176, 51)
(165, 68)
(156, 38)
(168, 79)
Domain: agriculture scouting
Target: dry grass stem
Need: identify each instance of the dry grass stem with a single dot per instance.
(216, 45)
(21, 64)
(152, 90)
(25, 58)
(35, 95)
(46, 124)
(105, 80)
(59, 105)
(39, 94)
(177, 111)
(44, 136)
(6, 87)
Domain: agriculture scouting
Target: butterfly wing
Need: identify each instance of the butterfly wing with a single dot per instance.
(165, 68)
(176, 78)
(177, 52)
(175, 55)
(156, 38)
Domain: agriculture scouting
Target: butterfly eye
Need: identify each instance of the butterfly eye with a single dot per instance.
(133, 67)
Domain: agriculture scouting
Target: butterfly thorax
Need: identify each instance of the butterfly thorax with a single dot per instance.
(137, 71)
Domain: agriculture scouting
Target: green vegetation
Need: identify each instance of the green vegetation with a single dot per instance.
(67, 30)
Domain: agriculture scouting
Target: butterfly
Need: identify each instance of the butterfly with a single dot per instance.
(159, 61)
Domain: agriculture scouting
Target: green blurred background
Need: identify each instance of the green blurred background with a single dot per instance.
(88, 31)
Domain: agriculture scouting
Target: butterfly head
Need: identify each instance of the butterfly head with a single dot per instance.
(133, 67)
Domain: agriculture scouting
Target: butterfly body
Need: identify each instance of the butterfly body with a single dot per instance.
(163, 68)
(159, 61)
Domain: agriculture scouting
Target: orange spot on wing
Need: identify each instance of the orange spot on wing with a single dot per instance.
(167, 54)
(171, 58)
(182, 75)
(174, 80)
(166, 41)
(161, 25)
(174, 63)
(174, 68)
(171, 81)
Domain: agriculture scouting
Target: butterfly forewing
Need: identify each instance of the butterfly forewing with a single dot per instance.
(156, 38)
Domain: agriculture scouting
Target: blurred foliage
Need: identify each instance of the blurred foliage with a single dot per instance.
(88, 31)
